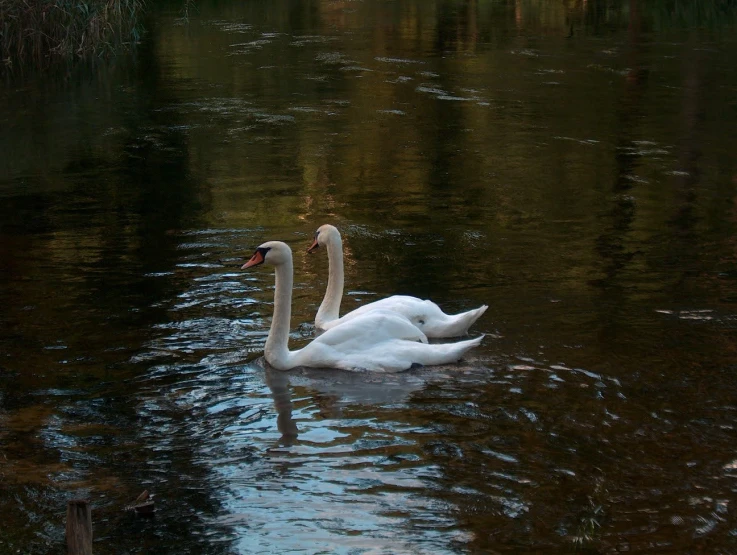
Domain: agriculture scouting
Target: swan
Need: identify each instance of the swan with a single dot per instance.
(424, 314)
(380, 341)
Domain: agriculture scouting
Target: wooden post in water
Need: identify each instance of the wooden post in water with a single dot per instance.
(79, 527)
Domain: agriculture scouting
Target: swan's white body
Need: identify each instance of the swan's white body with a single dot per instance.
(381, 341)
(425, 314)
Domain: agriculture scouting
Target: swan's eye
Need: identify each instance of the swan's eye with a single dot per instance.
(421, 322)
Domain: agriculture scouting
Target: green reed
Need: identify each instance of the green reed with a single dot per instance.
(38, 32)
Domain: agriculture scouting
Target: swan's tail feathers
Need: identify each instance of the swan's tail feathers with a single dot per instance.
(467, 345)
(458, 324)
(446, 353)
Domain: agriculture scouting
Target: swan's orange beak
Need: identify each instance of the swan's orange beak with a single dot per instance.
(314, 246)
(256, 259)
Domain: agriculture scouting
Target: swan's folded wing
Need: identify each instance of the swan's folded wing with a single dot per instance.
(411, 307)
(395, 355)
(368, 330)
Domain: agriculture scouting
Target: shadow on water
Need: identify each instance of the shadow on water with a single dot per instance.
(78, 238)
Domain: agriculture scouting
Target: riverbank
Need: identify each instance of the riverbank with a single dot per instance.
(37, 33)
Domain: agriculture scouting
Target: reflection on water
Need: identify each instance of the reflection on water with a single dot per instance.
(570, 164)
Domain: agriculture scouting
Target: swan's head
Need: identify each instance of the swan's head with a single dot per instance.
(323, 236)
(271, 252)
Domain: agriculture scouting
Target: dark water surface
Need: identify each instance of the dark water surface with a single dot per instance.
(570, 164)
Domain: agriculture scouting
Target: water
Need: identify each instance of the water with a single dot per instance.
(570, 165)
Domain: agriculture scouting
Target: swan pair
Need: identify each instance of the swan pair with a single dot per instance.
(389, 335)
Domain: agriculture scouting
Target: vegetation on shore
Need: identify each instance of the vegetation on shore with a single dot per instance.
(38, 32)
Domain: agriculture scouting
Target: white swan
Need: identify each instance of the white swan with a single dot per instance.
(424, 314)
(380, 341)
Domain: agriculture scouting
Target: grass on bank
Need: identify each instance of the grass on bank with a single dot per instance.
(38, 32)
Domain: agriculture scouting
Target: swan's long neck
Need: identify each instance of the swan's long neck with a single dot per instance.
(276, 350)
(330, 307)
